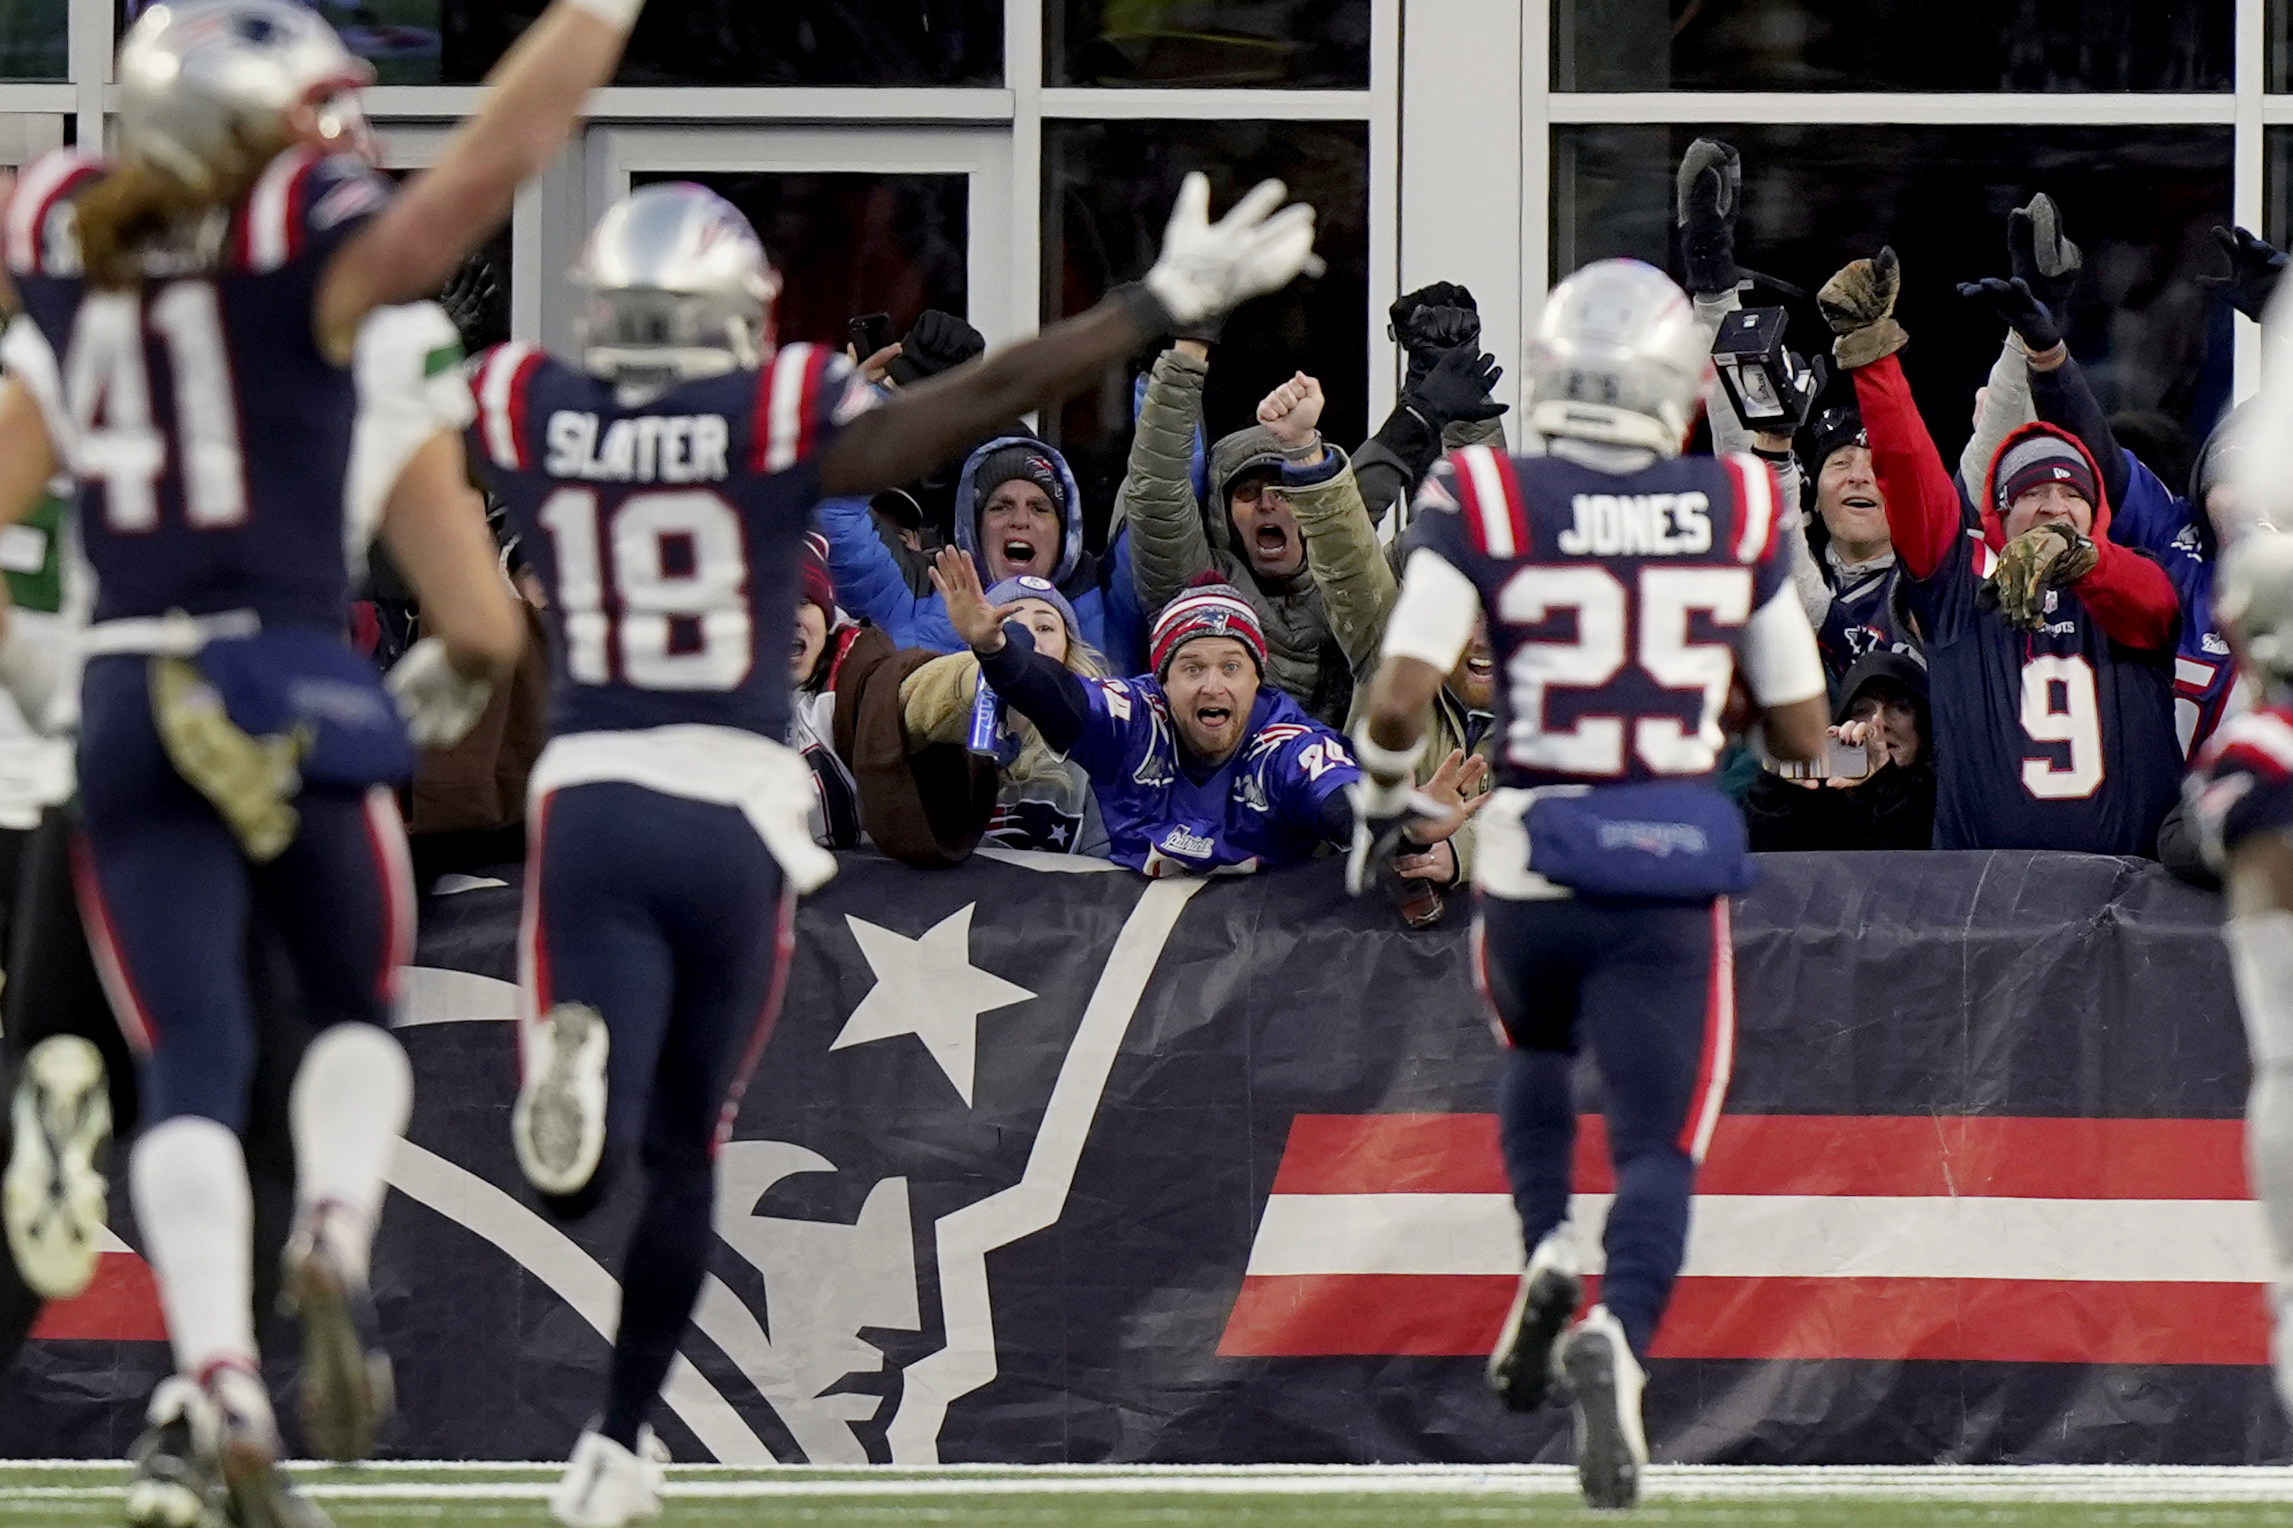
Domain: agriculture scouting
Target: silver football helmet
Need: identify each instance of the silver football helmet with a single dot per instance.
(2253, 599)
(1617, 358)
(677, 288)
(197, 77)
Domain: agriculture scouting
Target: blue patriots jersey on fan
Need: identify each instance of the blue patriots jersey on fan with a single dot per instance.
(666, 533)
(210, 436)
(2084, 757)
(2164, 524)
(1865, 617)
(1613, 601)
(2243, 781)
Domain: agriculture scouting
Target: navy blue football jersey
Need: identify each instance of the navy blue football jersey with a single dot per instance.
(1865, 617)
(2084, 755)
(667, 533)
(210, 437)
(1614, 601)
(2242, 783)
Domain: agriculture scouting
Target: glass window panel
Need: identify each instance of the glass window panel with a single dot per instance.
(35, 39)
(1296, 44)
(1107, 192)
(848, 245)
(1893, 45)
(686, 42)
(2138, 201)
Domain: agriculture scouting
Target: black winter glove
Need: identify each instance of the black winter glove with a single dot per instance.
(1441, 294)
(1437, 332)
(938, 342)
(2254, 266)
(2039, 256)
(1710, 188)
(2020, 307)
(1456, 389)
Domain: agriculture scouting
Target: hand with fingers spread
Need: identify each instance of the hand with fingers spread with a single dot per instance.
(2254, 266)
(1291, 413)
(1211, 268)
(1457, 389)
(1460, 788)
(2016, 304)
(979, 623)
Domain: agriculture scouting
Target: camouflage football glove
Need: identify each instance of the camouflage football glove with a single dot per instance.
(1859, 304)
(2041, 558)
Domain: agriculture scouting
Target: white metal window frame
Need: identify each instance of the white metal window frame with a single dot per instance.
(2248, 110)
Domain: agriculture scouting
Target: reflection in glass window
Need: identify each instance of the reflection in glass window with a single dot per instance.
(2139, 201)
(848, 245)
(35, 42)
(1107, 192)
(1892, 45)
(677, 42)
(1296, 44)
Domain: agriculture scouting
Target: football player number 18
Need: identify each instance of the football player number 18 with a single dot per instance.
(2059, 706)
(676, 565)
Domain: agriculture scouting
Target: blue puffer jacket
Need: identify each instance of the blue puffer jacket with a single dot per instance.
(868, 581)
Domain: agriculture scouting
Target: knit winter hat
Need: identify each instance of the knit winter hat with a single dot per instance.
(1206, 610)
(1835, 429)
(1031, 464)
(2042, 459)
(1028, 587)
(814, 584)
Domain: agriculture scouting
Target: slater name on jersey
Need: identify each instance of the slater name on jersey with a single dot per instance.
(649, 449)
(1639, 525)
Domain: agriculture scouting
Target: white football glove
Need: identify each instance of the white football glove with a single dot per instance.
(30, 671)
(439, 705)
(1381, 812)
(1210, 268)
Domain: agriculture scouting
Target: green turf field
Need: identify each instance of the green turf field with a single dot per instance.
(512, 1497)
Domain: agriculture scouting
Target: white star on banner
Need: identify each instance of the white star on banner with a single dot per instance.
(928, 988)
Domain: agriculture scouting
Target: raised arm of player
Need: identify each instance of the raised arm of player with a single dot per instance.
(1205, 269)
(535, 97)
(435, 527)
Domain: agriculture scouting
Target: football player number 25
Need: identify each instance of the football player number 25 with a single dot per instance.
(679, 568)
(2059, 707)
(1663, 646)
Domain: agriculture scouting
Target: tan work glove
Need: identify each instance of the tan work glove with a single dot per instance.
(1859, 304)
(2041, 558)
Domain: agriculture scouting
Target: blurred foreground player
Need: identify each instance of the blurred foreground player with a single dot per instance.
(663, 485)
(2242, 795)
(192, 311)
(1625, 586)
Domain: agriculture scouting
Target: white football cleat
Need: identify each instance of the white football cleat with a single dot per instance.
(558, 1125)
(606, 1486)
(175, 1475)
(1611, 1444)
(1521, 1365)
(54, 1192)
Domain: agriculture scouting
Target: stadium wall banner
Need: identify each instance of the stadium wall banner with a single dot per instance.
(1045, 1163)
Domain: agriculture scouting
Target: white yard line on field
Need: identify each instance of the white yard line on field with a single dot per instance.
(2097, 1484)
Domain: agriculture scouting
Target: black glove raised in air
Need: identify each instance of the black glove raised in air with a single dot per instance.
(1708, 192)
(938, 342)
(2014, 302)
(1456, 389)
(2254, 266)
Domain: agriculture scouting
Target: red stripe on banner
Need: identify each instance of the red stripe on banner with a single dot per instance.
(1874, 1155)
(1964, 1320)
(120, 1305)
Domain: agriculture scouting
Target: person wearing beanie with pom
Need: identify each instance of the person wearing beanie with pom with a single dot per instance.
(1044, 801)
(1199, 767)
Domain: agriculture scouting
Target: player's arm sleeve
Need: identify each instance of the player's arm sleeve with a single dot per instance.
(1433, 618)
(1776, 653)
(2132, 599)
(1922, 502)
